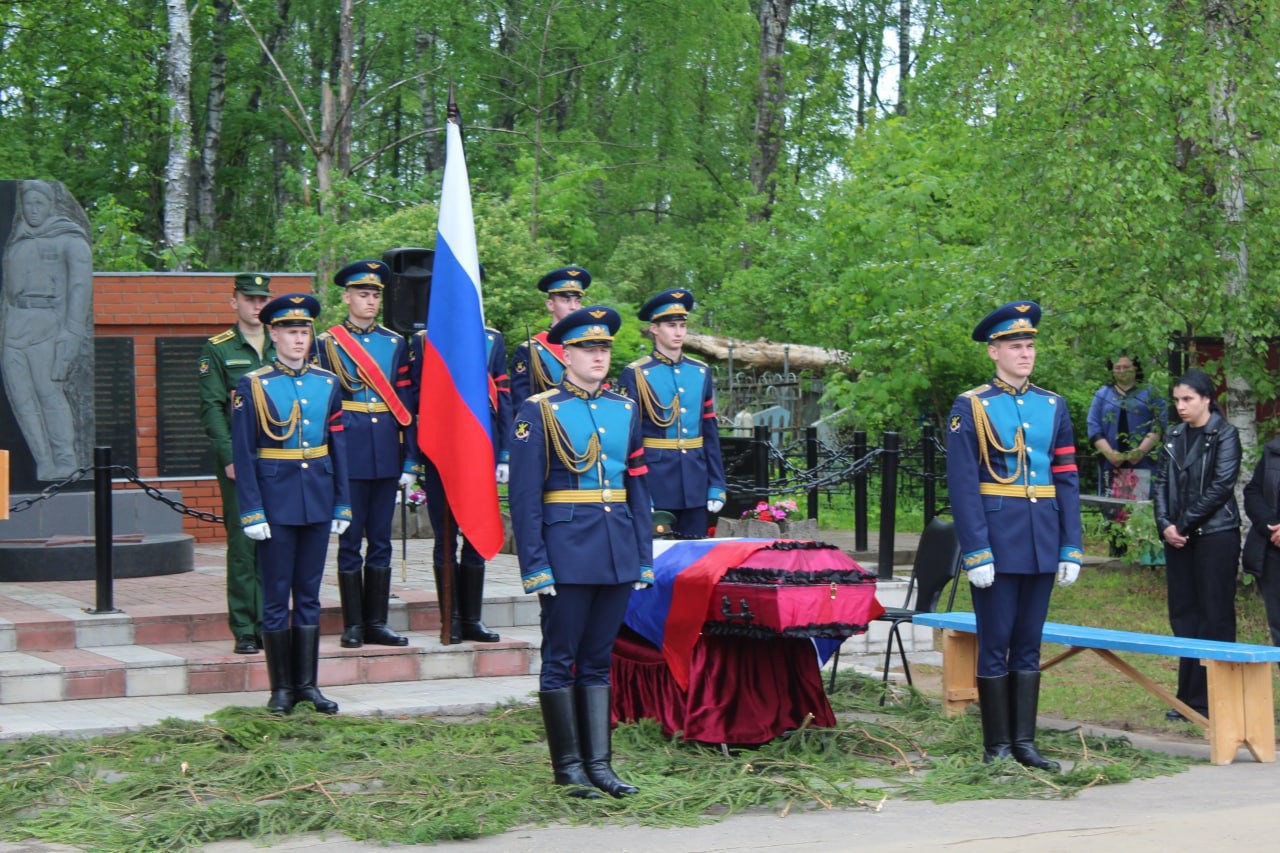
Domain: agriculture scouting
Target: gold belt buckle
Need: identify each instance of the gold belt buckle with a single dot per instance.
(606, 495)
(1031, 493)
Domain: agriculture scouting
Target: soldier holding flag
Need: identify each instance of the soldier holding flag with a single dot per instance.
(372, 367)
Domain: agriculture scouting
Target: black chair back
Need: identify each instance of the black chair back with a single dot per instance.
(937, 564)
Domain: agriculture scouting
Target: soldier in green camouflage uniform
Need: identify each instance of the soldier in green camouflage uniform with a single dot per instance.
(225, 358)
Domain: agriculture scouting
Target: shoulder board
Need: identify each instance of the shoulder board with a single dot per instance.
(639, 362)
(381, 328)
(323, 336)
(695, 361)
(491, 330)
(223, 337)
(1045, 391)
(322, 373)
(973, 392)
(262, 371)
(550, 392)
(610, 394)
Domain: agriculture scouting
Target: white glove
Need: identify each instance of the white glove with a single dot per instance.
(339, 526)
(408, 481)
(258, 532)
(983, 576)
(1067, 573)
(502, 473)
(548, 590)
(639, 585)
(714, 506)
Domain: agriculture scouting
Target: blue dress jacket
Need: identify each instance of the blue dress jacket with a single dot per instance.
(289, 447)
(533, 374)
(579, 499)
(373, 434)
(1012, 478)
(676, 400)
(500, 407)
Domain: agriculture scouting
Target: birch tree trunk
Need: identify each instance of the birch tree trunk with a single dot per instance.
(771, 98)
(346, 88)
(1221, 25)
(215, 105)
(177, 172)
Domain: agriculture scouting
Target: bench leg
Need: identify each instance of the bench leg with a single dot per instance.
(1241, 709)
(959, 671)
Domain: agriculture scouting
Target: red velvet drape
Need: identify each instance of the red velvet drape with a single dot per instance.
(741, 691)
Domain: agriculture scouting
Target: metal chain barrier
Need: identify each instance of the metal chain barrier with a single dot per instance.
(155, 494)
(50, 491)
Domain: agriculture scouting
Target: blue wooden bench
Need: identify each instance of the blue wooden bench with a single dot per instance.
(1241, 704)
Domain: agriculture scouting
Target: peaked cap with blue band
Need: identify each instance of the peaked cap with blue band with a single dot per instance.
(1010, 321)
(367, 273)
(565, 280)
(593, 326)
(290, 309)
(667, 305)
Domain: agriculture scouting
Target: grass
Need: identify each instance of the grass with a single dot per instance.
(246, 774)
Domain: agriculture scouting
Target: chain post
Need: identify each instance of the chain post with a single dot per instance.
(888, 502)
(102, 530)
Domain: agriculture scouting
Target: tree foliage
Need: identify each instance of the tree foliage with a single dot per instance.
(1082, 154)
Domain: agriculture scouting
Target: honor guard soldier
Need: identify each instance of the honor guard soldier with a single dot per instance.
(676, 398)
(1015, 493)
(581, 512)
(225, 358)
(291, 480)
(468, 599)
(372, 366)
(538, 364)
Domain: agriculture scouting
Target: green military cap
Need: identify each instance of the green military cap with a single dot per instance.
(253, 284)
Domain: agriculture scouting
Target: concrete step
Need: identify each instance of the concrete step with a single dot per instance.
(170, 669)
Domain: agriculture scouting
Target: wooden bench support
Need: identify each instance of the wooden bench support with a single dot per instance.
(1241, 711)
(1241, 704)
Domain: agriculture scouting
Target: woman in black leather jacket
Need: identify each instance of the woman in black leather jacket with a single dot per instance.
(1199, 520)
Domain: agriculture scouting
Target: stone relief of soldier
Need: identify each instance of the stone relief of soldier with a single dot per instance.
(46, 327)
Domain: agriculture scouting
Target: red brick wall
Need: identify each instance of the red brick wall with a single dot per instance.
(145, 306)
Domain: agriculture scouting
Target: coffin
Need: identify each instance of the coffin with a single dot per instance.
(793, 589)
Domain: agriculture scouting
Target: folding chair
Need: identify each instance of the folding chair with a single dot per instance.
(937, 563)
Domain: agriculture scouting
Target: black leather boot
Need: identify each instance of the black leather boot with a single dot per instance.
(377, 595)
(1026, 699)
(997, 733)
(306, 660)
(561, 722)
(279, 670)
(471, 602)
(350, 588)
(455, 621)
(596, 729)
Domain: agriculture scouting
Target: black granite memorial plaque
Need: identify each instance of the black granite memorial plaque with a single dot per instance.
(184, 449)
(115, 401)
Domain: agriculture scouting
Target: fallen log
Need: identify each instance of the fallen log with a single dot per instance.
(765, 354)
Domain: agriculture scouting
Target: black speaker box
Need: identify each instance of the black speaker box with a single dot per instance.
(404, 303)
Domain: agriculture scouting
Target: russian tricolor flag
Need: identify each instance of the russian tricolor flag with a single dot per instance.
(454, 423)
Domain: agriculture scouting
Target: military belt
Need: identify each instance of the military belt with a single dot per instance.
(1012, 490)
(585, 496)
(353, 406)
(674, 443)
(34, 301)
(293, 452)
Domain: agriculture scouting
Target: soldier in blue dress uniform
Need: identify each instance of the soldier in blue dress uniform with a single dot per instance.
(537, 364)
(289, 449)
(372, 366)
(580, 507)
(1015, 494)
(468, 599)
(677, 400)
